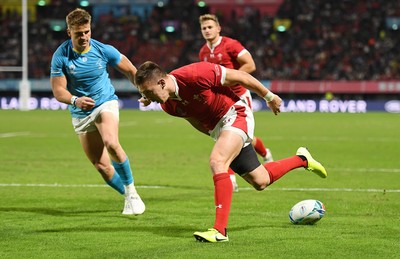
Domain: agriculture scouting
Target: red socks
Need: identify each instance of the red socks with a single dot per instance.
(279, 168)
(223, 198)
(259, 147)
(223, 187)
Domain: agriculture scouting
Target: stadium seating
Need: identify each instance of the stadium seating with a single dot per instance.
(323, 40)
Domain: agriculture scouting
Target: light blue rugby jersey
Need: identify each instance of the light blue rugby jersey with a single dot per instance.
(86, 73)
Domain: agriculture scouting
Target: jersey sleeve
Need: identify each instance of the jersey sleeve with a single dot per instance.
(113, 55)
(236, 49)
(223, 74)
(56, 67)
(213, 74)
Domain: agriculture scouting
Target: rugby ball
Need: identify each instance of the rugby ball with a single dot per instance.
(307, 212)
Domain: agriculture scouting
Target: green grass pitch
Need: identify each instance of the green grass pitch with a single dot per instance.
(55, 205)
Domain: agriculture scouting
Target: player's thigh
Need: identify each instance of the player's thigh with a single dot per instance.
(226, 148)
(107, 124)
(93, 146)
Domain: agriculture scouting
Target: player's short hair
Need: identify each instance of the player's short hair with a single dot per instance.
(207, 17)
(147, 72)
(78, 17)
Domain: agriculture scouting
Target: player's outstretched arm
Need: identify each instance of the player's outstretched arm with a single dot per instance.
(126, 67)
(240, 77)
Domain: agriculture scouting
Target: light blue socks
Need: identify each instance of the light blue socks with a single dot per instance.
(116, 183)
(124, 171)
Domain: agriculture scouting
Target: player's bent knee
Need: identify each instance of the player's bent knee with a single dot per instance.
(216, 164)
(260, 187)
(111, 146)
(104, 170)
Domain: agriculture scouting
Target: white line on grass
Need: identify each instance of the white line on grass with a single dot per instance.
(128, 123)
(170, 187)
(327, 189)
(380, 170)
(337, 139)
(71, 185)
(13, 134)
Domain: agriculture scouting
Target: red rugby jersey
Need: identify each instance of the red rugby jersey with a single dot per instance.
(203, 100)
(224, 52)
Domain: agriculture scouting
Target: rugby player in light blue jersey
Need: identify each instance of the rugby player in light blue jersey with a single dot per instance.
(79, 78)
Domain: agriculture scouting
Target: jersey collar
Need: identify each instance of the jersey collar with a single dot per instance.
(83, 52)
(176, 88)
(212, 46)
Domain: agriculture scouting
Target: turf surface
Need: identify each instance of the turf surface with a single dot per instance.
(55, 205)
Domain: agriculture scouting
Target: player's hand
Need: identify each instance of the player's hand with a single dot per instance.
(145, 101)
(85, 103)
(275, 105)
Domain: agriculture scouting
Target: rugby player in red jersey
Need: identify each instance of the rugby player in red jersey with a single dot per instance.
(230, 53)
(200, 93)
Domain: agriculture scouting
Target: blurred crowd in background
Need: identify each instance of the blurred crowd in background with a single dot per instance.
(303, 40)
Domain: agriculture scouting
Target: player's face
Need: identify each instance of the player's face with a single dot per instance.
(80, 36)
(154, 91)
(210, 30)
